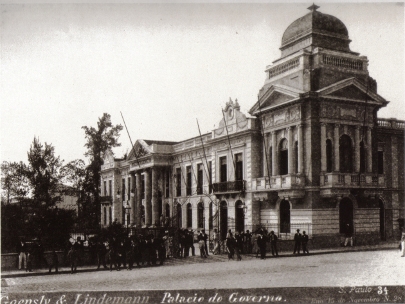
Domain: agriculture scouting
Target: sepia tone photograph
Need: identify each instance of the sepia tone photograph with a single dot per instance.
(211, 152)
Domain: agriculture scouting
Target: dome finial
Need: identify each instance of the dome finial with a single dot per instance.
(313, 7)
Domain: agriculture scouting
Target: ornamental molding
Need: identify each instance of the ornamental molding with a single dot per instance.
(283, 116)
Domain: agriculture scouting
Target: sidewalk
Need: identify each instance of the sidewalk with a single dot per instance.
(197, 259)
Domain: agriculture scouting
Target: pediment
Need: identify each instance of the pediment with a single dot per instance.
(139, 150)
(351, 89)
(275, 95)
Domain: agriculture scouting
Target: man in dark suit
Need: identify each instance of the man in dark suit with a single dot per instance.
(297, 242)
(261, 242)
(273, 243)
(304, 242)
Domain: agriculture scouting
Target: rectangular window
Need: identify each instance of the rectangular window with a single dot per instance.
(199, 179)
(210, 176)
(178, 181)
(239, 166)
(143, 186)
(223, 169)
(105, 188)
(188, 186)
(380, 162)
(129, 188)
(123, 189)
(167, 183)
(110, 188)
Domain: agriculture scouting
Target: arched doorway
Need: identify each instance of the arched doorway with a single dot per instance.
(346, 154)
(346, 216)
(382, 220)
(285, 217)
(239, 217)
(283, 160)
(223, 220)
(179, 215)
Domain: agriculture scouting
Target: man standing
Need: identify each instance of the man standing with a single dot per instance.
(273, 243)
(297, 242)
(205, 237)
(22, 257)
(261, 242)
(304, 243)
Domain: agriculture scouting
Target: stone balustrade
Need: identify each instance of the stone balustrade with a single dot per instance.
(290, 181)
(391, 123)
(352, 180)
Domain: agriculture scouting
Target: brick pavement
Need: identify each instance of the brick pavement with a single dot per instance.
(197, 259)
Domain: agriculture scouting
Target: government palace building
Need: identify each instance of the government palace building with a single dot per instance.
(311, 154)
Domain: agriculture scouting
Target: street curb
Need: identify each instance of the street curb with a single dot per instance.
(83, 270)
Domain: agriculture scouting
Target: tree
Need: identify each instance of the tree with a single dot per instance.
(43, 173)
(99, 140)
(14, 183)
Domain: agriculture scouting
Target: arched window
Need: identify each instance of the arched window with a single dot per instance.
(223, 218)
(200, 215)
(210, 220)
(362, 158)
(329, 161)
(285, 217)
(283, 159)
(346, 154)
(189, 215)
(239, 217)
(346, 216)
(179, 215)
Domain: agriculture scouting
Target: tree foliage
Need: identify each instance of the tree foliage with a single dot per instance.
(14, 182)
(43, 173)
(99, 140)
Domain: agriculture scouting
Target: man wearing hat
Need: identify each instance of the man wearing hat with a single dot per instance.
(304, 243)
(297, 240)
(273, 243)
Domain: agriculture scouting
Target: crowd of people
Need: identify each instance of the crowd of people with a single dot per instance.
(149, 249)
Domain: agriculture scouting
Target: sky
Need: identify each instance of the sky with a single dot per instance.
(162, 65)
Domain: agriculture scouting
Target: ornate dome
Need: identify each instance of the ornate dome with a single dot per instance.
(315, 23)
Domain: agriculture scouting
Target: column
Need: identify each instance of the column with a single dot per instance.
(369, 151)
(133, 199)
(290, 151)
(138, 200)
(265, 158)
(323, 147)
(357, 149)
(300, 168)
(274, 153)
(148, 198)
(155, 199)
(336, 148)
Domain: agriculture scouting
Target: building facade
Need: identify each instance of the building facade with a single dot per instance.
(312, 154)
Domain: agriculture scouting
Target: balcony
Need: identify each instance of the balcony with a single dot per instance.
(352, 180)
(229, 187)
(291, 181)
